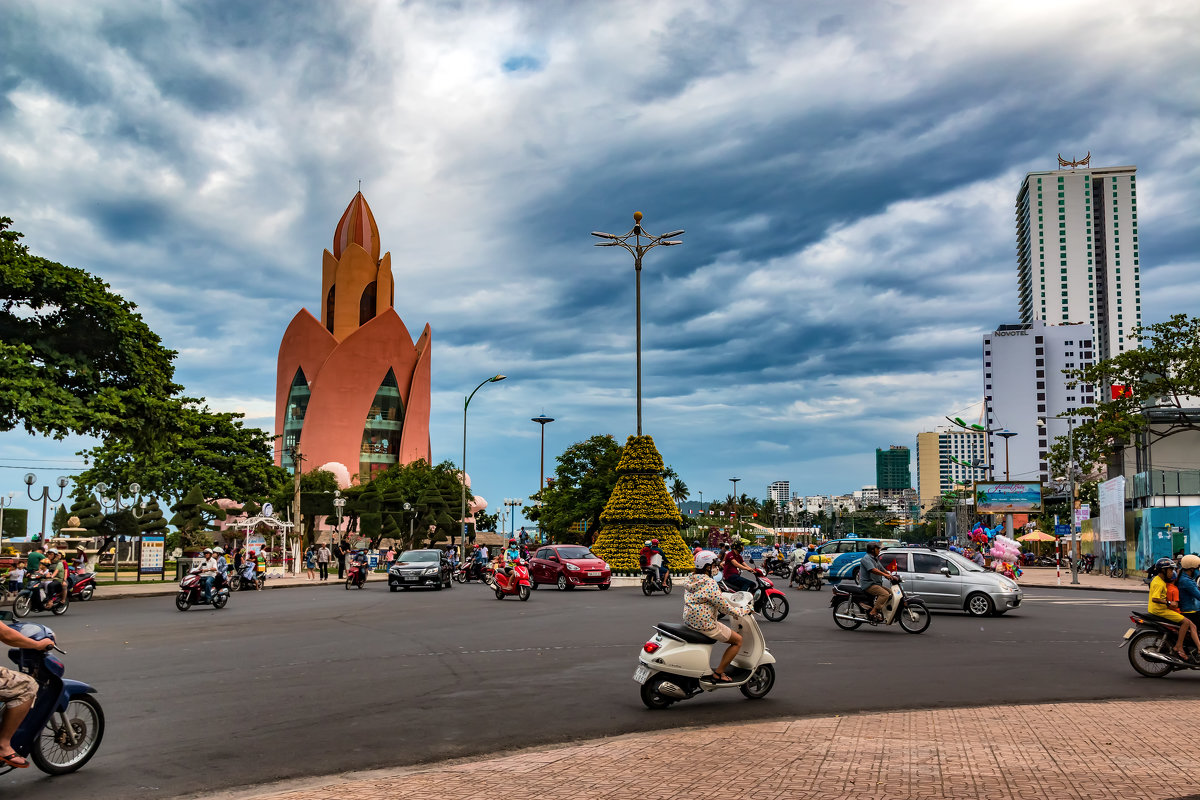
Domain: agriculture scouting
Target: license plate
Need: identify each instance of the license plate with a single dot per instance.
(593, 574)
(410, 578)
(641, 674)
(1128, 633)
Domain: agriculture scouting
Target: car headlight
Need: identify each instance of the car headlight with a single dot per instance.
(608, 566)
(431, 571)
(1009, 586)
(573, 568)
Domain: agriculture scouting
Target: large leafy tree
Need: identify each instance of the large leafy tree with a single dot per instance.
(433, 493)
(584, 480)
(76, 358)
(213, 451)
(193, 519)
(1163, 374)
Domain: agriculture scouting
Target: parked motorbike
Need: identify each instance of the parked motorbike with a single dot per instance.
(672, 664)
(81, 585)
(851, 606)
(1151, 646)
(356, 575)
(772, 603)
(29, 600)
(248, 579)
(506, 584)
(63, 729)
(651, 583)
(191, 592)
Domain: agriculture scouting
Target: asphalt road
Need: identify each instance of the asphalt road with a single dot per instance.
(290, 683)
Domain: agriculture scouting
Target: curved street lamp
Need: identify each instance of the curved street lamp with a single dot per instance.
(641, 244)
(463, 478)
(30, 480)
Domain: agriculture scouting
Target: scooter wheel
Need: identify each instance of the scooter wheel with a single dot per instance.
(844, 608)
(182, 602)
(60, 608)
(87, 593)
(220, 600)
(499, 594)
(651, 697)
(523, 592)
(667, 586)
(760, 682)
(22, 605)
(775, 608)
(646, 590)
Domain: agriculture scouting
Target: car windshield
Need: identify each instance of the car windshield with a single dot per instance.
(420, 555)
(575, 552)
(962, 563)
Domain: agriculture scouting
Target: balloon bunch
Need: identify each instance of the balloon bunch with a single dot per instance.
(1007, 554)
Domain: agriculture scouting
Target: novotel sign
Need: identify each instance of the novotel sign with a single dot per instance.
(1011, 333)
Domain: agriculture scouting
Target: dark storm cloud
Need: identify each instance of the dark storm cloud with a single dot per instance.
(846, 176)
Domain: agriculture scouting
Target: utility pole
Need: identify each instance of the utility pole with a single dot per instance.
(1071, 502)
(297, 461)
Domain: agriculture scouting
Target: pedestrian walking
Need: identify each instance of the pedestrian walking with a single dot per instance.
(310, 561)
(323, 561)
(340, 549)
(391, 556)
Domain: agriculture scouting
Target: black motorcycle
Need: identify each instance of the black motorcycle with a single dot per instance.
(810, 578)
(29, 600)
(1151, 644)
(777, 567)
(651, 583)
(63, 729)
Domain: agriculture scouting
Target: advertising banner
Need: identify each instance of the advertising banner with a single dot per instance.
(152, 561)
(1082, 514)
(1112, 510)
(1008, 497)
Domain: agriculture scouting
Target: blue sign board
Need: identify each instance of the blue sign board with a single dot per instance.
(1062, 530)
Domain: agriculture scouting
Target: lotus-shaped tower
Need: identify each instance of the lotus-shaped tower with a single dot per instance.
(352, 388)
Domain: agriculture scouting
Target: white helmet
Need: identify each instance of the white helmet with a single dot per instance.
(219, 551)
(208, 549)
(704, 558)
(647, 543)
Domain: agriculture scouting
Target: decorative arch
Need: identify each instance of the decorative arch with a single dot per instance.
(366, 304)
(293, 422)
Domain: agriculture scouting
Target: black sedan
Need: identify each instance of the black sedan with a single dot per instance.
(420, 568)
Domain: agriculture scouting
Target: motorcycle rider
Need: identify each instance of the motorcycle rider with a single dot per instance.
(661, 566)
(870, 579)
(1160, 605)
(208, 573)
(17, 692)
(359, 559)
(1189, 592)
(222, 566)
(702, 602)
(58, 577)
(730, 566)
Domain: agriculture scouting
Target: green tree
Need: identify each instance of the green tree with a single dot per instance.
(152, 522)
(60, 518)
(193, 518)
(78, 358)
(433, 493)
(486, 522)
(679, 491)
(210, 450)
(584, 480)
(16, 522)
(87, 509)
(1162, 374)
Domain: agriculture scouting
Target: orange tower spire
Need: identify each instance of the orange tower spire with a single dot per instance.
(357, 226)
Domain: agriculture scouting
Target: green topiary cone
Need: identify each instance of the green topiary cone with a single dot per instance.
(640, 508)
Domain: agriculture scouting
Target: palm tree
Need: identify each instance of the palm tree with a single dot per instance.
(679, 491)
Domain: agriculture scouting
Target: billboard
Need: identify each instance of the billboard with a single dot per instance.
(1112, 510)
(1008, 497)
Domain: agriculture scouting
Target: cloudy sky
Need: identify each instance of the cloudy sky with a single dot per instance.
(846, 173)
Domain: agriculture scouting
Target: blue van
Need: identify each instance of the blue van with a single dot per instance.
(840, 557)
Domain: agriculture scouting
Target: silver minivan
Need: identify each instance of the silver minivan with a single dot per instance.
(947, 580)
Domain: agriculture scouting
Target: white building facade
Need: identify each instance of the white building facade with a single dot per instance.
(780, 492)
(1023, 384)
(939, 453)
(1077, 252)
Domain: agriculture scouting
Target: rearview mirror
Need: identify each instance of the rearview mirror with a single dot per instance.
(945, 571)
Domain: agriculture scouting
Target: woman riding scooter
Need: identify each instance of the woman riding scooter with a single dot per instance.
(702, 602)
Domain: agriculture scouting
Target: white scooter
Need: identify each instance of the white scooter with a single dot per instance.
(672, 663)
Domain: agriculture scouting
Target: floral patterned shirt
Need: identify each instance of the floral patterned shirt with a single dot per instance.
(702, 601)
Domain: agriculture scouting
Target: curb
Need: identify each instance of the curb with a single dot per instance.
(165, 592)
(1144, 590)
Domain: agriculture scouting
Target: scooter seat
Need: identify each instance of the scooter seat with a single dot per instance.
(679, 631)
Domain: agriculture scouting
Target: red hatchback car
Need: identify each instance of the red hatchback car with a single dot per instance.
(567, 566)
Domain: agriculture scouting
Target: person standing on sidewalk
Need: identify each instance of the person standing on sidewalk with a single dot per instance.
(323, 561)
(340, 550)
(310, 561)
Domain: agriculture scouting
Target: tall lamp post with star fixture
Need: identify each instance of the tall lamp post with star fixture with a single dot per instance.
(541, 420)
(736, 519)
(637, 242)
(463, 478)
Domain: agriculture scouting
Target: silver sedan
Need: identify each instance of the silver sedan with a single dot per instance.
(947, 580)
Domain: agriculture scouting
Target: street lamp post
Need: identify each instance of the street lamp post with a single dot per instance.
(541, 420)
(1071, 498)
(1006, 434)
(463, 478)
(30, 480)
(5, 502)
(115, 504)
(339, 506)
(513, 503)
(638, 249)
(736, 516)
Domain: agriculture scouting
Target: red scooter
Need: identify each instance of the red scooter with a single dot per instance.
(356, 575)
(82, 584)
(517, 582)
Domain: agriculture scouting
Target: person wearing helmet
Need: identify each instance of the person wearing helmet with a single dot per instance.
(1161, 604)
(658, 559)
(208, 573)
(513, 553)
(702, 603)
(222, 566)
(1189, 592)
(644, 555)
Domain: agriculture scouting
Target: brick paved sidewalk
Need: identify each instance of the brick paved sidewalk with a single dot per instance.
(1045, 577)
(1091, 751)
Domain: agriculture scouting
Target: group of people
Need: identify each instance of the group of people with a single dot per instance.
(318, 557)
(46, 570)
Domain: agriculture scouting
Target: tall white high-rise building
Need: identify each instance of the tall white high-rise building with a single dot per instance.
(780, 492)
(1077, 252)
(1023, 384)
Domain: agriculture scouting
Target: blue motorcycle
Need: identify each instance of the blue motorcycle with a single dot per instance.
(66, 723)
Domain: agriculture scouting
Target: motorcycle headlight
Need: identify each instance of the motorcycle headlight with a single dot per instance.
(573, 568)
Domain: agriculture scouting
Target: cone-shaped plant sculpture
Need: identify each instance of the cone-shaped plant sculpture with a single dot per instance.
(640, 508)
